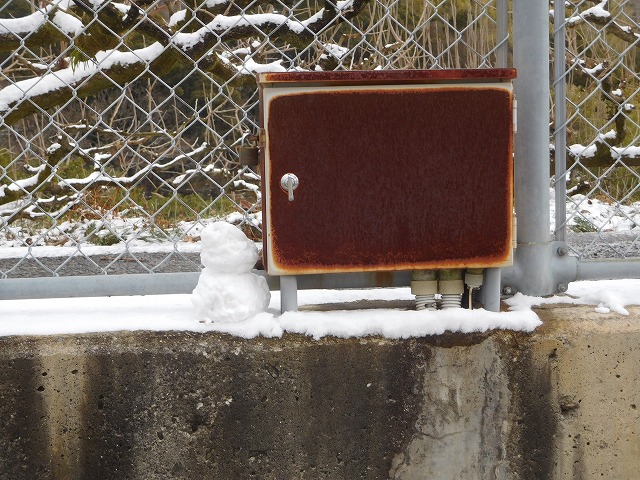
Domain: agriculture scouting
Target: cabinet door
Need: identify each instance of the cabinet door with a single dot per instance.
(387, 177)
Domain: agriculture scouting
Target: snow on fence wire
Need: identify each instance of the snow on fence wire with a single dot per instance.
(596, 141)
(121, 121)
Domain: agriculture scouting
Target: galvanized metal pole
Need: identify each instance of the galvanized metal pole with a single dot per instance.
(98, 285)
(288, 293)
(560, 124)
(608, 269)
(531, 273)
(502, 33)
(490, 291)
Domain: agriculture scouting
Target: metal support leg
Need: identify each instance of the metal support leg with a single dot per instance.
(490, 290)
(288, 293)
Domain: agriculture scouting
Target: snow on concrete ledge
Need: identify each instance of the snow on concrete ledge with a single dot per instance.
(607, 295)
(175, 313)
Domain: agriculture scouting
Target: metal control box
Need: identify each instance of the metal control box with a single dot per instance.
(386, 170)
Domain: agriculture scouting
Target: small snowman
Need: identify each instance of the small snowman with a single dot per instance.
(227, 290)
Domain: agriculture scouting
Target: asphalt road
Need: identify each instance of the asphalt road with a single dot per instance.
(100, 264)
(605, 245)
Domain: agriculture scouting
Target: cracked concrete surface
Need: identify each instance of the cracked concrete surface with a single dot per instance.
(459, 429)
(559, 403)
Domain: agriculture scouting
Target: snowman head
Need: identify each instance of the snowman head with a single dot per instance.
(226, 249)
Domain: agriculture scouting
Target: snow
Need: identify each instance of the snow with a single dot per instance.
(582, 151)
(612, 294)
(177, 17)
(99, 176)
(23, 24)
(227, 290)
(590, 151)
(70, 76)
(175, 313)
(68, 23)
(23, 184)
(61, 79)
(630, 152)
(249, 66)
(214, 3)
(604, 216)
(64, 78)
(133, 247)
(19, 26)
(597, 11)
(610, 135)
(226, 22)
(136, 232)
(607, 295)
(226, 249)
(400, 324)
(591, 71)
(336, 50)
(230, 299)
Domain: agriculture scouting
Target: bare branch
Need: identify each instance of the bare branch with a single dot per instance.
(600, 17)
(115, 68)
(98, 47)
(99, 178)
(607, 149)
(600, 154)
(39, 208)
(17, 189)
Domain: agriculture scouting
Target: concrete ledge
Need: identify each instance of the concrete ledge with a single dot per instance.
(561, 402)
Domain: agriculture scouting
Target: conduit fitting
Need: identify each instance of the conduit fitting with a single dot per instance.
(473, 278)
(424, 286)
(451, 287)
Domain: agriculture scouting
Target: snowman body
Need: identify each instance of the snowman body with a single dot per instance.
(227, 290)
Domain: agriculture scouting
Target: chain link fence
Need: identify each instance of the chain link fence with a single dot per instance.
(597, 127)
(121, 121)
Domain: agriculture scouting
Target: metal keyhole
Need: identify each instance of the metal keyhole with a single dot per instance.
(289, 182)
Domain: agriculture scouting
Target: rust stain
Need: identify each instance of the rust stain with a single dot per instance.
(391, 179)
(384, 279)
(396, 77)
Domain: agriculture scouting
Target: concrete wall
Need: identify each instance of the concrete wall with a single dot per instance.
(559, 403)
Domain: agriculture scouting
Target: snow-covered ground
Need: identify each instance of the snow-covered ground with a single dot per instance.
(133, 232)
(175, 313)
(137, 233)
(597, 215)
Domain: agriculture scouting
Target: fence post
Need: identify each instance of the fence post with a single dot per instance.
(534, 270)
(560, 126)
(502, 33)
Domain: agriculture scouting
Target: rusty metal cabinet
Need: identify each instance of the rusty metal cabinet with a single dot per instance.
(387, 170)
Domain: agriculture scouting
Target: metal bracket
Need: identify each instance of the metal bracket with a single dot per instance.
(540, 269)
(262, 138)
(249, 154)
